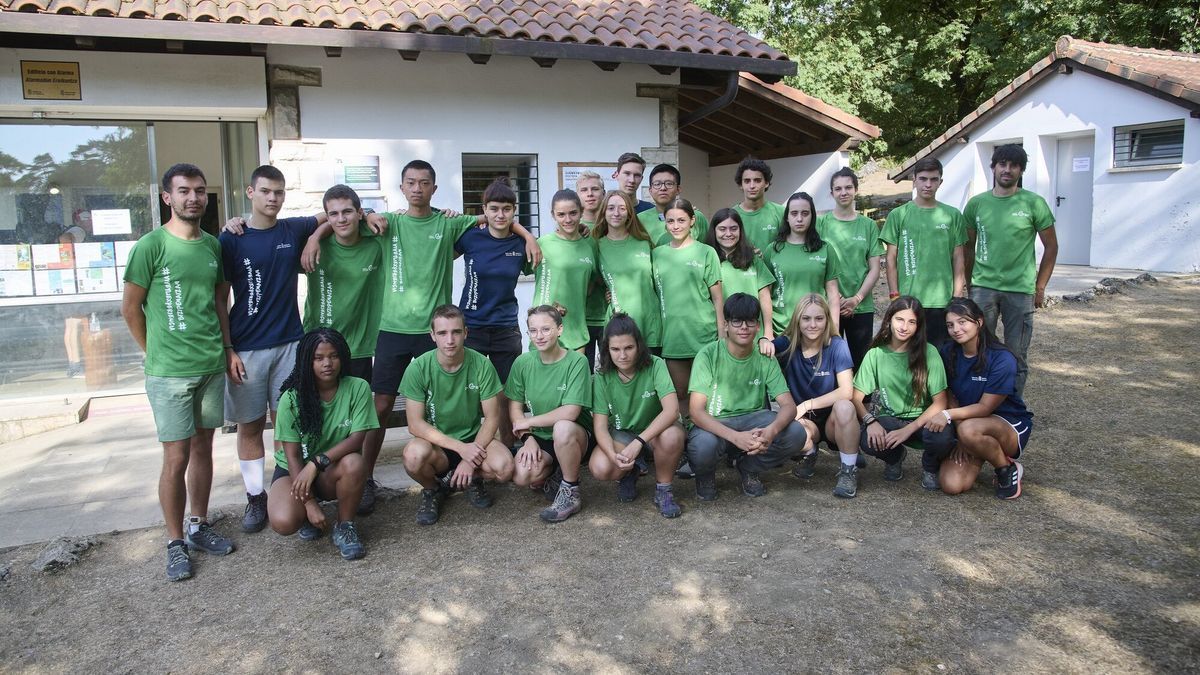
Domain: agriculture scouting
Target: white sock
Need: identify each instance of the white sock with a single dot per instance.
(849, 460)
(252, 474)
(193, 523)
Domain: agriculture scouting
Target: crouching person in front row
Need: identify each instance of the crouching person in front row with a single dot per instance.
(323, 418)
(447, 391)
(729, 385)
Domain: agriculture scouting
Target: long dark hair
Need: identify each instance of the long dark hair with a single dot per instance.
(986, 340)
(812, 239)
(742, 255)
(308, 400)
(917, 365)
(623, 324)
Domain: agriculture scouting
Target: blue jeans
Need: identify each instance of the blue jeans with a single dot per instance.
(936, 446)
(1016, 311)
(704, 448)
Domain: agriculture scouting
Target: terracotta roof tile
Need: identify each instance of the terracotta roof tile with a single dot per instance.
(1174, 75)
(676, 25)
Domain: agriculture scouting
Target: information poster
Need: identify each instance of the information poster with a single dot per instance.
(111, 221)
(568, 173)
(123, 249)
(53, 257)
(54, 282)
(15, 257)
(15, 283)
(96, 280)
(361, 172)
(95, 254)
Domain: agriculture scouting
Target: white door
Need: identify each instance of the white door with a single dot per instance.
(1072, 203)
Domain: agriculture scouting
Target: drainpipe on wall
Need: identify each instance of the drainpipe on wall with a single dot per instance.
(726, 97)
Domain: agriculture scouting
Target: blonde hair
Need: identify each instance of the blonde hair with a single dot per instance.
(795, 339)
(587, 175)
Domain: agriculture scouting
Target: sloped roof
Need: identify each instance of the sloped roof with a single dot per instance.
(673, 26)
(1171, 75)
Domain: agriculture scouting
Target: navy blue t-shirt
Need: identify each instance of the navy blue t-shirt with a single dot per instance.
(1000, 378)
(492, 267)
(804, 380)
(262, 266)
(643, 205)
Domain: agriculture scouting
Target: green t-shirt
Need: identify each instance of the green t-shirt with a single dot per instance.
(762, 225)
(343, 293)
(684, 276)
(749, 281)
(418, 263)
(925, 240)
(563, 277)
(631, 406)
(887, 371)
(856, 241)
(352, 409)
(183, 336)
(1005, 228)
(656, 226)
(798, 272)
(735, 386)
(628, 273)
(547, 387)
(453, 401)
(597, 306)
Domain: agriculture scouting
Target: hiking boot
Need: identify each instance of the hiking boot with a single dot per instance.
(308, 532)
(685, 470)
(566, 504)
(807, 466)
(860, 461)
(206, 539)
(477, 494)
(706, 487)
(752, 485)
(255, 518)
(550, 487)
(345, 537)
(664, 499)
(366, 503)
(847, 482)
(179, 565)
(895, 472)
(627, 486)
(929, 481)
(1008, 480)
(431, 505)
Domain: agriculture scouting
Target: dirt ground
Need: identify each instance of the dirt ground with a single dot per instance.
(1095, 569)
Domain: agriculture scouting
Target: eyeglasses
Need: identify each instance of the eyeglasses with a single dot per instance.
(663, 184)
(743, 323)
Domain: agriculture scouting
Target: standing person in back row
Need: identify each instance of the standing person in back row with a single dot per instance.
(175, 311)
(630, 170)
(925, 256)
(1000, 260)
(760, 218)
(665, 185)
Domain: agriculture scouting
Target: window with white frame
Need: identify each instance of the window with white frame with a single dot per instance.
(479, 170)
(1148, 144)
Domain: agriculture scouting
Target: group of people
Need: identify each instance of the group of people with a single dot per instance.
(659, 341)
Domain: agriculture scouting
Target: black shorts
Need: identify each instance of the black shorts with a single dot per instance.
(820, 417)
(453, 458)
(360, 368)
(281, 471)
(393, 353)
(501, 344)
(547, 446)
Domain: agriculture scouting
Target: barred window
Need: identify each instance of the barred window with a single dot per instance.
(1148, 144)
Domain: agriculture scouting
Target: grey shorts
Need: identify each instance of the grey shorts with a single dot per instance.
(266, 369)
(183, 404)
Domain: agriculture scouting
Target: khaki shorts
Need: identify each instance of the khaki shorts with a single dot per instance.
(183, 404)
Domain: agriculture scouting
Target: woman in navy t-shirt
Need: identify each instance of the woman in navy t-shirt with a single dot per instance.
(819, 374)
(991, 420)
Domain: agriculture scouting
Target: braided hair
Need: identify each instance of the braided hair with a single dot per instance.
(308, 411)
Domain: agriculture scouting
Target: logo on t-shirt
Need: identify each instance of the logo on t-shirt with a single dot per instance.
(942, 226)
(586, 260)
(821, 373)
(369, 268)
(694, 263)
(1020, 214)
(346, 422)
(755, 382)
(513, 254)
(472, 386)
(282, 246)
(979, 378)
(436, 235)
(648, 394)
(562, 387)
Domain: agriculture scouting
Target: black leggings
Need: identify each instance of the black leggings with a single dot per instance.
(937, 445)
(857, 329)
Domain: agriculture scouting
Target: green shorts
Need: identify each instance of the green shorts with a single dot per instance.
(183, 404)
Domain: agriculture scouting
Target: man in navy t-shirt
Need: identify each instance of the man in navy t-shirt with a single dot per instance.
(261, 266)
(630, 170)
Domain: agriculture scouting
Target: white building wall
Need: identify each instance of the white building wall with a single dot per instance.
(1141, 219)
(809, 173)
(693, 164)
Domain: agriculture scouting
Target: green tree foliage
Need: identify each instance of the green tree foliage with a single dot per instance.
(916, 68)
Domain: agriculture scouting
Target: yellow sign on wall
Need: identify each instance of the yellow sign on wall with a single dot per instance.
(51, 80)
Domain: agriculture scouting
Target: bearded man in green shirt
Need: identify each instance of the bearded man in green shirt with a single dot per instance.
(1000, 257)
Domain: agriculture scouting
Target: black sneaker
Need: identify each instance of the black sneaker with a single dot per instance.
(627, 486)
(664, 499)
(431, 505)
(550, 487)
(706, 487)
(255, 518)
(477, 494)
(895, 472)
(366, 504)
(807, 466)
(179, 565)
(847, 482)
(1008, 480)
(929, 481)
(345, 538)
(206, 539)
(308, 532)
(752, 485)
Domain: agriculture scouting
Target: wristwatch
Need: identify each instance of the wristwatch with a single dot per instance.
(322, 461)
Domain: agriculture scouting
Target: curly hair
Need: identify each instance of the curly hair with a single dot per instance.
(309, 414)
